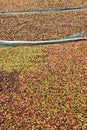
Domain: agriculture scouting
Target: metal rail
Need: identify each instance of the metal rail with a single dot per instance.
(44, 10)
(76, 37)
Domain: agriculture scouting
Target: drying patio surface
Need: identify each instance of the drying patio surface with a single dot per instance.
(44, 87)
(44, 26)
(39, 4)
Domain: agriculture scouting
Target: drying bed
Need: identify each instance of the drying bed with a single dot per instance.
(43, 87)
(44, 26)
(39, 4)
